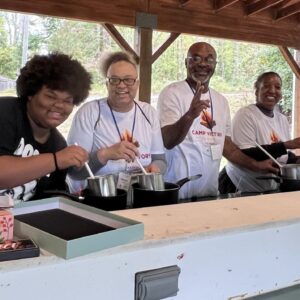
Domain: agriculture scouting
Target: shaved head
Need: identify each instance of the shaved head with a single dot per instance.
(200, 64)
(202, 46)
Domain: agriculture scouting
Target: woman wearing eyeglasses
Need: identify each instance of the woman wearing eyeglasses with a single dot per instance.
(117, 129)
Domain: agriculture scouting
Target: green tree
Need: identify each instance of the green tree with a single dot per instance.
(9, 54)
(9, 61)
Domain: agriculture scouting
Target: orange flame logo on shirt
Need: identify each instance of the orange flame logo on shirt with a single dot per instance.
(126, 136)
(206, 120)
(274, 137)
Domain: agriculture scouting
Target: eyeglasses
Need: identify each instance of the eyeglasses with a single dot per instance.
(117, 81)
(198, 59)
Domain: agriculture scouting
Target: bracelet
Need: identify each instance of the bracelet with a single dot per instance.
(55, 161)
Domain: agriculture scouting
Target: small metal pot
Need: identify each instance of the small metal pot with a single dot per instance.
(290, 171)
(151, 181)
(103, 185)
(287, 171)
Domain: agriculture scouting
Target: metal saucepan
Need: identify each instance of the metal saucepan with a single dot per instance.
(103, 185)
(284, 184)
(288, 171)
(117, 202)
(151, 181)
(170, 195)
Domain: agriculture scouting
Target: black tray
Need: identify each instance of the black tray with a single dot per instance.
(26, 248)
(63, 224)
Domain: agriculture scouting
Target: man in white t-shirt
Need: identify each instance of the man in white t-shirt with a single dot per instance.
(195, 121)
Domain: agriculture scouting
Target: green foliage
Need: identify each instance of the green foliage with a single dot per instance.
(10, 55)
(3, 33)
(220, 84)
(9, 61)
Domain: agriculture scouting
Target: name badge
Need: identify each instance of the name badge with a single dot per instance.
(216, 151)
(124, 181)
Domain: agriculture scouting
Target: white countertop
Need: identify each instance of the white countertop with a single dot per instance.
(171, 221)
(226, 249)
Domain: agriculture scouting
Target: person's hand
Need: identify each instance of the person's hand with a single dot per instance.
(292, 144)
(123, 150)
(266, 166)
(152, 168)
(71, 156)
(198, 105)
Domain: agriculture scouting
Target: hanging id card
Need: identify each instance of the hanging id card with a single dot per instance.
(216, 151)
(124, 181)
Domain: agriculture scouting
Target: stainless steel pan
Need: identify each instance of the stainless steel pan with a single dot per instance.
(103, 185)
(287, 171)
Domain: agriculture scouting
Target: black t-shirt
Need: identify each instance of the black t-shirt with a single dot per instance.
(16, 138)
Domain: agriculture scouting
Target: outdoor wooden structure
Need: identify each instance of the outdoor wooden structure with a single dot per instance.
(275, 22)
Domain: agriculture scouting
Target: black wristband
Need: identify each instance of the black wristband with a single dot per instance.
(55, 161)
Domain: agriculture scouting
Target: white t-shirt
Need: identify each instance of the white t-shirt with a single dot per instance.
(250, 125)
(93, 128)
(194, 155)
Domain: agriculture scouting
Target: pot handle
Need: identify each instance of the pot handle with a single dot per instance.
(62, 193)
(182, 181)
(277, 178)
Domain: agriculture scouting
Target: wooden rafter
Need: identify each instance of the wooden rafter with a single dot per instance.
(183, 3)
(283, 4)
(173, 36)
(220, 4)
(287, 11)
(257, 7)
(117, 37)
(290, 60)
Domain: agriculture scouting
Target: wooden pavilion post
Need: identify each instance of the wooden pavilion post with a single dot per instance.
(144, 50)
(296, 107)
(294, 63)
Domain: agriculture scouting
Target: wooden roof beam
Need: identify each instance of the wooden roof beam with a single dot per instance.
(257, 7)
(173, 36)
(290, 60)
(183, 3)
(283, 4)
(117, 37)
(287, 11)
(220, 4)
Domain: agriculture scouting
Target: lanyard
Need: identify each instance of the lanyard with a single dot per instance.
(211, 107)
(116, 124)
